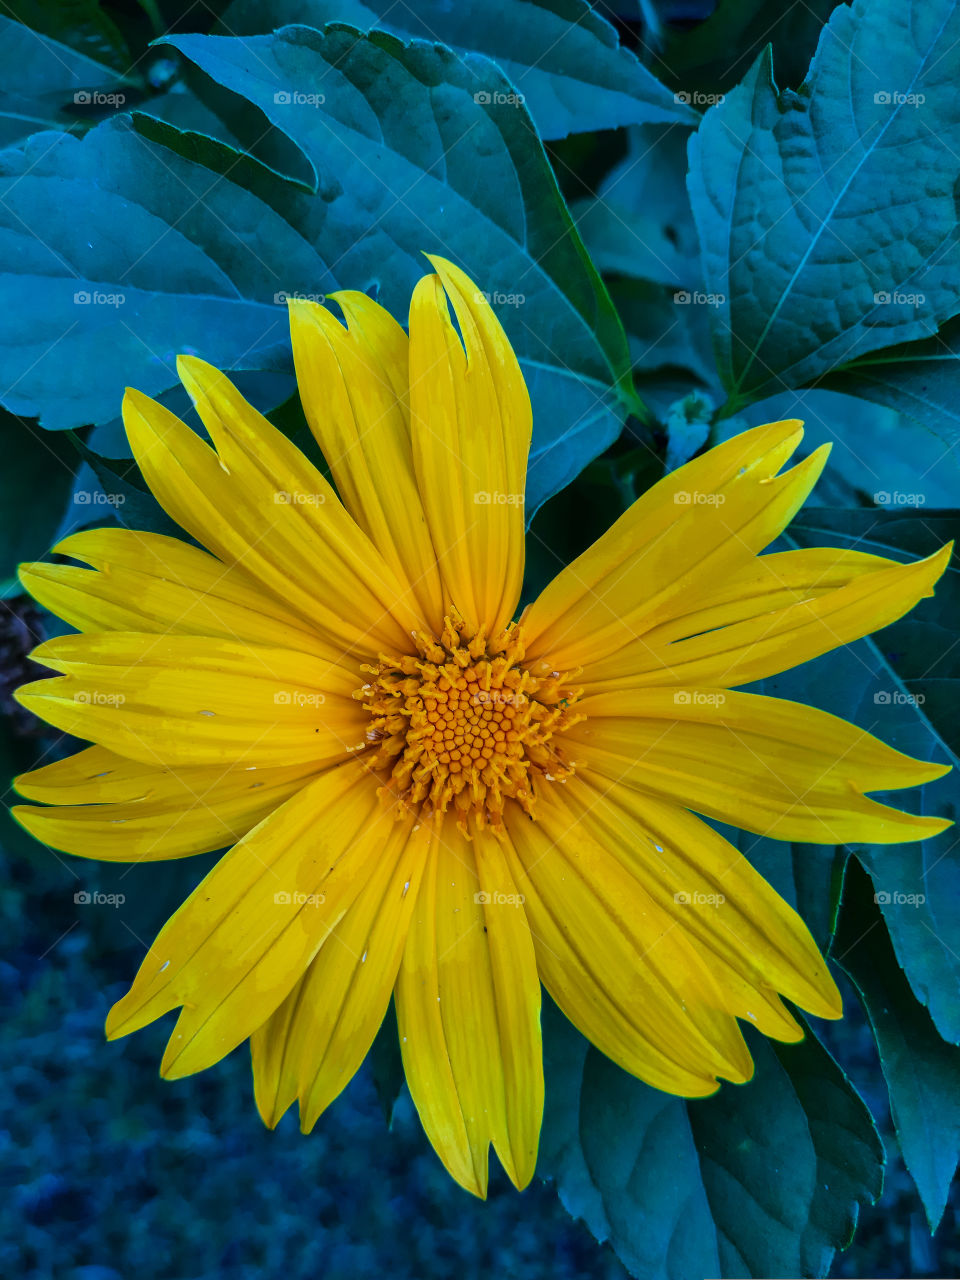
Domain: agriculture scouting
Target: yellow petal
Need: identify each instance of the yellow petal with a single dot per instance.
(764, 764)
(147, 582)
(663, 550)
(471, 422)
(258, 503)
(104, 806)
(614, 960)
(353, 385)
(468, 1009)
(245, 936)
(780, 611)
(742, 927)
(196, 700)
(313, 1044)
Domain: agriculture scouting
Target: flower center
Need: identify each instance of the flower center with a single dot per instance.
(462, 722)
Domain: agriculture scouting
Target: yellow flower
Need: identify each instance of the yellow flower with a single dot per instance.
(429, 800)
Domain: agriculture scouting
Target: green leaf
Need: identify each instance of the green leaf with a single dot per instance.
(80, 24)
(763, 1179)
(36, 481)
(921, 1070)
(194, 249)
(126, 493)
(631, 233)
(808, 876)
(561, 55)
(798, 199)
(713, 54)
(44, 82)
(919, 379)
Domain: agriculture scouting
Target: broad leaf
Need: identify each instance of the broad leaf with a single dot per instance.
(713, 55)
(919, 379)
(36, 481)
(196, 251)
(560, 55)
(82, 25)
(799, 202)
(808, 876)
(44, 83)
(921, 1070)
(763, 1179)
(640, 224)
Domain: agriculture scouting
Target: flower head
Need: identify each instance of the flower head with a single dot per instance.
(424, 797)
